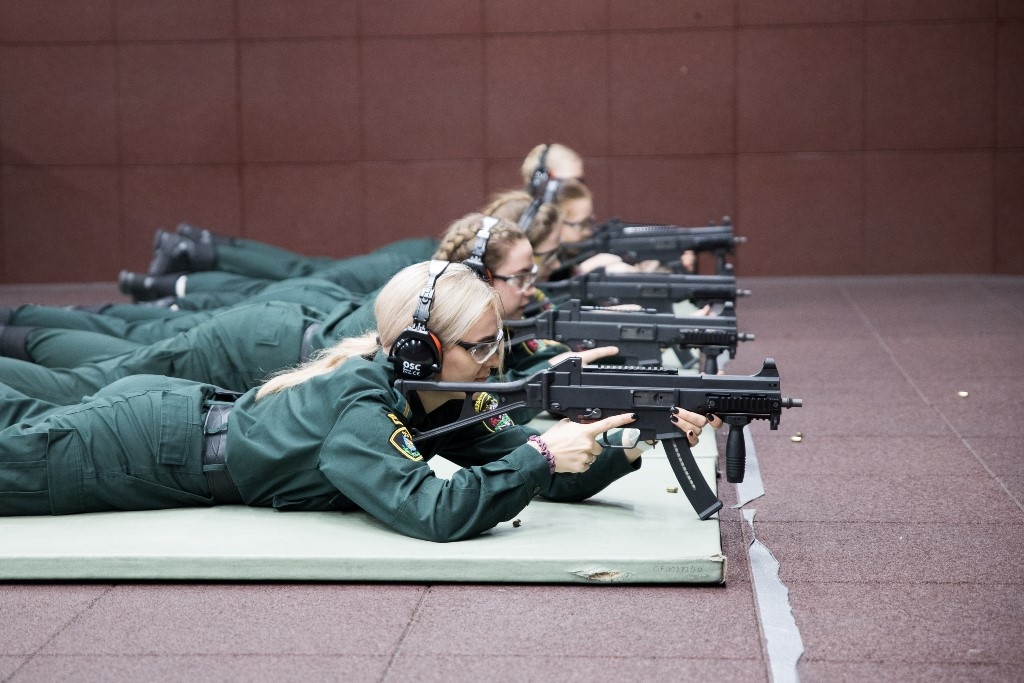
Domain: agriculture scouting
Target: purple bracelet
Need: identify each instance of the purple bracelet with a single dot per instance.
(543, 448)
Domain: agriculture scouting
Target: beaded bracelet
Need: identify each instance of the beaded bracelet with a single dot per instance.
(543, 448)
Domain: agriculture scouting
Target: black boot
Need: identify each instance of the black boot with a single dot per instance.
(174, 253)
(202, 235)
(14, 342)
(142, 287)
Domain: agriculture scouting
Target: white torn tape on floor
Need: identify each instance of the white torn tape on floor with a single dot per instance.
(751, 487)
(781, 635)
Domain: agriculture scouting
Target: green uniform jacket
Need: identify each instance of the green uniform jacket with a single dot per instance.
(342, 441)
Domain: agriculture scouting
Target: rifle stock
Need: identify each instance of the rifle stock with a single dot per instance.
(586, 394)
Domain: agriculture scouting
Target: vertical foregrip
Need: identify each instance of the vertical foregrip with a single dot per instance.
(735, 455)
(710, 362)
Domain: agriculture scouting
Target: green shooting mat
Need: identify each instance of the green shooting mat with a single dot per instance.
(641, 529)
(636, 531)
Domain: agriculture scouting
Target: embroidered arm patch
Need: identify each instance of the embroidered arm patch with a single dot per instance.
(482, 402)
(401, 439)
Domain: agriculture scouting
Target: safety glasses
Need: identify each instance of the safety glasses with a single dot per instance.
(546, 258)
(520, 281)
(583, 225)
(481, 352)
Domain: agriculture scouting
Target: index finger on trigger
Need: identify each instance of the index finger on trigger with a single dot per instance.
(612, 422)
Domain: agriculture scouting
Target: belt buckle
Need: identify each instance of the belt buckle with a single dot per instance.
(223, 426)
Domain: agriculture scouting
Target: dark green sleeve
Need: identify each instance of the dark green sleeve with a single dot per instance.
(369, 456)
(476, 449)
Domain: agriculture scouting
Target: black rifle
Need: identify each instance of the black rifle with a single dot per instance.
(589, 393)
(640, 335)
(649, 290)
(635, 242)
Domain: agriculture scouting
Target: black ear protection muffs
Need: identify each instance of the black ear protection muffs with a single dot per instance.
(416, 354)
(541, 174)
(476, 258)
(547, 196)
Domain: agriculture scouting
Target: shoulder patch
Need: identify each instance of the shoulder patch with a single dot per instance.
(532, 346)
(482, 402)
(401, 439)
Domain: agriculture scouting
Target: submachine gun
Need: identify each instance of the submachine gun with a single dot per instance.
(659, 291)
(588, 393)
(635, 242)
(640, 335)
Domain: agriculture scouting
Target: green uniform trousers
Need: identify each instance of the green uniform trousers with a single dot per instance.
(359, 275)
(136, 445)
(147, 324)
(264, 261)
(237, 350)
(69, 348)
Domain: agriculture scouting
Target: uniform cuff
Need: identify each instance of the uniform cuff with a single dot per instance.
(533, 468)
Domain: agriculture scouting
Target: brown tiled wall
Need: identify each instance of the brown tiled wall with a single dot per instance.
(842, 136)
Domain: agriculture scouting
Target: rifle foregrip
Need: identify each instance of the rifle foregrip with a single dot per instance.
(735, 455)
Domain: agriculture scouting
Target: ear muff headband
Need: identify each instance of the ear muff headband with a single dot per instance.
(545, 197)
(476, 257)
(417, 352)
(541, 175)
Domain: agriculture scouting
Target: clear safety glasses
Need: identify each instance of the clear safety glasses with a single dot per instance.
(546, 258)
(481, 352)
(520, 281)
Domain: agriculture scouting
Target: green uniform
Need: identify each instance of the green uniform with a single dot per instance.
(67, 338)
(154, 324)
(260, 260)
(359, 274)
(236, 349)
(228, 349)
(339, 441)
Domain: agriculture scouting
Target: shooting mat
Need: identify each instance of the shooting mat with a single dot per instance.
(635, 531)
(638, 530)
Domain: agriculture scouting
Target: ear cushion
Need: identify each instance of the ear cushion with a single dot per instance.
(416, 354)
(482, 271)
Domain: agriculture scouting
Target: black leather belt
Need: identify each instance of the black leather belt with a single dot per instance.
(215, 429)
(307, 342)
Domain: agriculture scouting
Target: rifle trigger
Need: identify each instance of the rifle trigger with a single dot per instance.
(592, 414)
